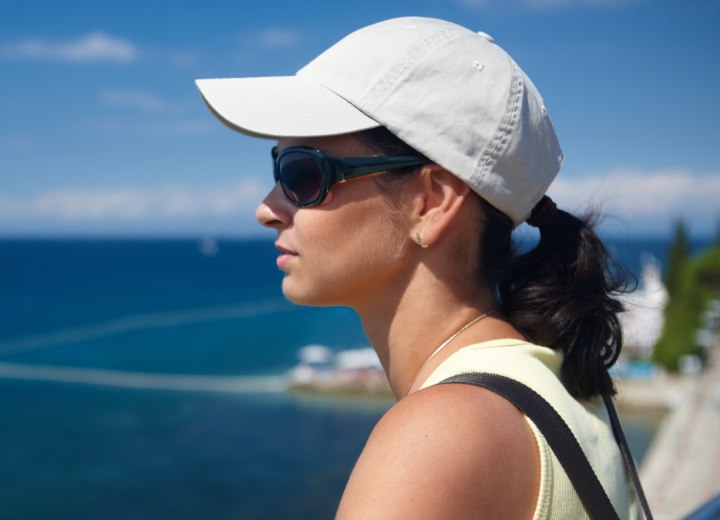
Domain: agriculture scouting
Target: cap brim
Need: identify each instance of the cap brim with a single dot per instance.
(284, 106)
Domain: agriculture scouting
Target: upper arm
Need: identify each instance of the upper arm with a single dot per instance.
(449, 451)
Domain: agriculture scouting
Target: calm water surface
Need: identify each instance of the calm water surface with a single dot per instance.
(162, 307)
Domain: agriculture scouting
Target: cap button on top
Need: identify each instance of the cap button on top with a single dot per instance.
(486, 36)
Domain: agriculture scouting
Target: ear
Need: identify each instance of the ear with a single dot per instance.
(441, 196)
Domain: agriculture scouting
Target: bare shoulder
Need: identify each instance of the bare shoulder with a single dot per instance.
(449, 451)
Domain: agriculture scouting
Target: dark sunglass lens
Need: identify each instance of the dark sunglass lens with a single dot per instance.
(300, 176)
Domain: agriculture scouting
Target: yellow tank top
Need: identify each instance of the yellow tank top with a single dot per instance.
(539, 368)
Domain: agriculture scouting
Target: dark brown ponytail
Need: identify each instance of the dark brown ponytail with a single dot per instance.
(563, 293)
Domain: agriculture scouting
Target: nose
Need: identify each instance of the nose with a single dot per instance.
(275, 211)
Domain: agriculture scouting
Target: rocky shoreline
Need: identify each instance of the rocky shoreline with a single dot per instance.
(681, 470)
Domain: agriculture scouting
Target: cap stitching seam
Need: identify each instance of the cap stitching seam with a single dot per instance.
(495, 147)
(428, 44)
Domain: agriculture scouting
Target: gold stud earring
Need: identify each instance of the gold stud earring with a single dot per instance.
(419, 240)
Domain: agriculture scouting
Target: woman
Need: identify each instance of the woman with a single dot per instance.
(406, 154)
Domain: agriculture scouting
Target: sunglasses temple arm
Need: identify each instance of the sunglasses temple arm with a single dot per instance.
(356, 167)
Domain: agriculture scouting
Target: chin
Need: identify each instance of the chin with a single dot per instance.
(306, 296)
(296, 295)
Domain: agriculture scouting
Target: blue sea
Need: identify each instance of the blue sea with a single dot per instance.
(143, 379)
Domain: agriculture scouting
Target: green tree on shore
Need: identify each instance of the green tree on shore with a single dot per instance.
(678, 257)
(697, 280)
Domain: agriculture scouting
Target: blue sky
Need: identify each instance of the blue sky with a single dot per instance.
(103, 133)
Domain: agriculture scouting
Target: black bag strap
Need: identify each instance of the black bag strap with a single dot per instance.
(556, 432)
(627, 456)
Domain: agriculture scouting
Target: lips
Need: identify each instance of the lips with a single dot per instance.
(286, 255)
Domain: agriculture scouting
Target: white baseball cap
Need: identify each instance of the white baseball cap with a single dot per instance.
(449, 92)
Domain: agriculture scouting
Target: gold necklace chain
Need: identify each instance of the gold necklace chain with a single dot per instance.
(445, 344)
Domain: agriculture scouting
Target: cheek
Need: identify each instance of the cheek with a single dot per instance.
(368, 252)
(347, 257)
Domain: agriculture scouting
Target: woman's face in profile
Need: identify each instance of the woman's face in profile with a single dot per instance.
(344, 251)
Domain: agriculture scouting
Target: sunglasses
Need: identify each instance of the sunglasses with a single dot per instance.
(306, 175)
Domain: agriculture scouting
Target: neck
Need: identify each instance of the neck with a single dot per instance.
(409, 325)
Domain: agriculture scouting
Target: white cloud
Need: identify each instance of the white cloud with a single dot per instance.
(182, 58)
(187, 128)
(277, 38)
(545, 5)
(476, 3)
(645, 199)
(164, 129)
(93, 47)
(636, 202)
(137, 100)
(135, 203)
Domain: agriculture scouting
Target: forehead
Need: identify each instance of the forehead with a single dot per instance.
(346, 145)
